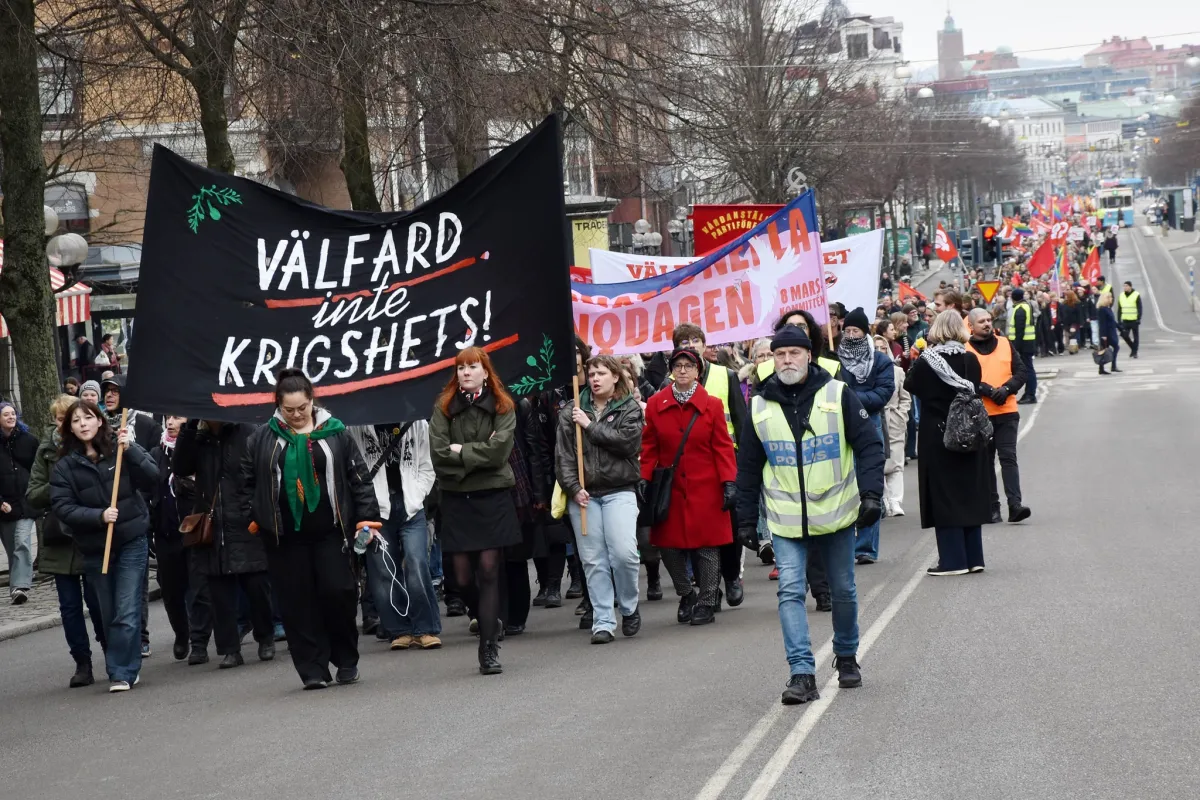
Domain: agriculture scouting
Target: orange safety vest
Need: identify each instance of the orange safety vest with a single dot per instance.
(997, 370)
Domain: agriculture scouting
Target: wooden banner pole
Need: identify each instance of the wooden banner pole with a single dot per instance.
(579, 458)
(116, 485)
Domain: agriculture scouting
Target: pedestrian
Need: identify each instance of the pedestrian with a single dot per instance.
(84, 357)
(234, 563)
(184, 586)
(146, 432)
(81, 492)
(1109, 336)
(109, 350)
(895, 428)
(1110, 245)
(1022, 335)
(1130, 318)
(307, 496)
(470, 435)
(1002, 376)
(1072, 316)
(954, 487)
(71, 386)
(916, 324)
(612, 423)
(515, 585)
(685, 427)
(400, 466)
(869, 375)
(59, 556)
(89, 392)
(822, 474)
(18, 449)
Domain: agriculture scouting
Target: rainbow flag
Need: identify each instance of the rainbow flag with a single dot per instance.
(1063, 273)
(1021, 229)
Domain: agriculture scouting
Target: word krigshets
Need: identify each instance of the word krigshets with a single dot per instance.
(240, 280)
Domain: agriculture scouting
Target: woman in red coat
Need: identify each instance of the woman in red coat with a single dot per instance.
(703, 491)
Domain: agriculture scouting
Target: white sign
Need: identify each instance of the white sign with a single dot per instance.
(1075, 234)
(851, 268)
(1188, 212)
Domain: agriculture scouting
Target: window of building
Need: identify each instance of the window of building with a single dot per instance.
(896, 45)
(856, 46)
(56, 88)
(882, 40)
(835, 43)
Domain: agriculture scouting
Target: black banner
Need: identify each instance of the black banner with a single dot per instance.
(239, 280)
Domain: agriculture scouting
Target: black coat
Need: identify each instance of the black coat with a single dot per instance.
(954, 487)
(80, 491)
(170, 498)
(17, 452)
(215, 460)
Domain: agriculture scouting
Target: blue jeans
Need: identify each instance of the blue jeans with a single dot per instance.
(120, 596)
(17, 538)
(408, 555)
(73, 592)
(867, 542)
(435, 555)
(960, 548)
(609, 554)
(791, 557)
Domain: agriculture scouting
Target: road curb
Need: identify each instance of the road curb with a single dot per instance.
(48, 621)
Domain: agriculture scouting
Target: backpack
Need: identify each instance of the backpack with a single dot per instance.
(968, 426)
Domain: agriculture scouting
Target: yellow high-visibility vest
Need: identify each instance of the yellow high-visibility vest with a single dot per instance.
(830, 485)
(1128, 304)
(717, 384)
(1029, 334)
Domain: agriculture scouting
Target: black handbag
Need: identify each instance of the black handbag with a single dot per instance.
(656, 502)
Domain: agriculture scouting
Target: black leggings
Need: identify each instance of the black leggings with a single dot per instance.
(483, 592)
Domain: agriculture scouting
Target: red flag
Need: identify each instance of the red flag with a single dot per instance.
(1042, 261)
(906, 292)
(945, 248)
(1091, 267)
(1058, 232)
(1016, 279)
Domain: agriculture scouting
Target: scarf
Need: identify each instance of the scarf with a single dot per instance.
(857, 356)
(299, 475)
(683, 395)
(935, 357)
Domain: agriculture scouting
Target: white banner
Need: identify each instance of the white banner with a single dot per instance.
(851, 268)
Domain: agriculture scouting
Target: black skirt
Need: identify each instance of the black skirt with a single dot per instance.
(473, 521)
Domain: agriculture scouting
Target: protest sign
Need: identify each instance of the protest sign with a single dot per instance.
(852, 270)
(735, 293)
(239, 281)
(610, 267)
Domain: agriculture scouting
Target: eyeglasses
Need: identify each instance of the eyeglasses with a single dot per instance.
(684, 366)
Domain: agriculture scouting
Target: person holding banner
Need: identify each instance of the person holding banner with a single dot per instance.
(81, 497)
(811, 446)
(471, 436)
(305, 492)
(612, 422)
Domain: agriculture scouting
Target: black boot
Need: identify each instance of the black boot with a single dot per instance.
(653, 581)
(1018, 513)
(266, 649)
(824, 602)
(995, 516)
(702, 615)
(554, 595)
(686, 604)
(231, 660)
(849, 675)
(455, 607)
(585, 621)
(83, 675)
(489, 658)
(576, 588)
(540, 598)
(198, 656)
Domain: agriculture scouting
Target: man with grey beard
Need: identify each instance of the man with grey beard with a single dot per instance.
(811, 451)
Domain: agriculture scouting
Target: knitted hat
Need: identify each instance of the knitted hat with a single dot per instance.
(95, 387)
(1018, 294)
(791, 336)
(857, 319)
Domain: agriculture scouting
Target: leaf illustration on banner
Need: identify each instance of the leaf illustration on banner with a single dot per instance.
(543, 365)
(202, 205)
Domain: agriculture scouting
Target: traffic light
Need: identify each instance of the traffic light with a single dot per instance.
(991, 244)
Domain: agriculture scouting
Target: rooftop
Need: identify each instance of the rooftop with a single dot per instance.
(1016, 107)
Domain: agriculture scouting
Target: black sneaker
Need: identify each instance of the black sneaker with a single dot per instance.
(455, 607)
(766, 553)
(540, 598)
(937, 571)
(632, 624)
(197, 657)
(231, 660)
(824, 602)
(702, 615)
(585, 622)
(686, 604)
(995, 516)
(315, 683)
(369, 627)
(602, 637)
(266, 649)
(346, 675)
(800, 689)
(849, 676)
(554, 597)
(1019, 513)
(179, 650)
(514, 630)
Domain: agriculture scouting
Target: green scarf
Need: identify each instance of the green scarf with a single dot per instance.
(299, 475)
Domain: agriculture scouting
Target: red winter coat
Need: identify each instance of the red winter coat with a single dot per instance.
(708, 462)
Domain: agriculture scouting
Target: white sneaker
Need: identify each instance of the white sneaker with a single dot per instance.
(119, 686)
(897, 511)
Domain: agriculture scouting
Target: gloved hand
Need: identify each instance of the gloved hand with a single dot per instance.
(869, 512)
(986, 390)
(748, 537)
(1000, 395)
(642, 487)
(730, 499)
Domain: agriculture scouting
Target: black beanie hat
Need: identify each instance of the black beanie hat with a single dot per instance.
(1018, 294)
(791, 336)
(857, 319)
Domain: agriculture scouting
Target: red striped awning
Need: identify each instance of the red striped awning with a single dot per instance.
(73, 305)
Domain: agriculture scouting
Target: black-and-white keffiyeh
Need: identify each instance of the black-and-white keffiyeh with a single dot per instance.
(857, 356)
(935, 357)
(683, 395)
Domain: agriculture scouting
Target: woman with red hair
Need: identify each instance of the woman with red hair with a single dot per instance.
(471, 435)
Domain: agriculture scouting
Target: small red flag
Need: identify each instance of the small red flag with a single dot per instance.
(1091, 267)
(1042, 261)
(945, 248)
(906, 292)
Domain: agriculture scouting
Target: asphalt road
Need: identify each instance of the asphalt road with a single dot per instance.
(1063, 671)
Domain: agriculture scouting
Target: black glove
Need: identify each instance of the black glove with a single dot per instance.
(748, 537)
(986, 390)
(869, 512)
(642, 487)
(730, 499)
(1000, 395)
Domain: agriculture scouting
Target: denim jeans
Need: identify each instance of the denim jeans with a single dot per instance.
(120, 595)
(407, 555)
(435, 554)
(17, 538)
(867, 541)
(73, 592)
(609, 554)
(791, 556)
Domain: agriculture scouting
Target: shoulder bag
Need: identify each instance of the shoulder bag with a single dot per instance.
(197, 529)
(656, 502)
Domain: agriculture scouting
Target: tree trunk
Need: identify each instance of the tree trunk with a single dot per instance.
(25, 296)
(210, 93)
(356, 143)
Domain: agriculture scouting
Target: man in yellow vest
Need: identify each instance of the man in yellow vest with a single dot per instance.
(722, 383)
(1022, 335)
(1129, 317)
(1003, 376)
(812, 453)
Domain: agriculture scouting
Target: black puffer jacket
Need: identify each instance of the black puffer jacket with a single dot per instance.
(215, 459)
(17, 451)
(80, 491)
(258, 496)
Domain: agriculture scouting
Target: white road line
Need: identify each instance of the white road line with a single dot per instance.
(1150, 290)
(1187, 369)
(1164, 341)
(773, 771)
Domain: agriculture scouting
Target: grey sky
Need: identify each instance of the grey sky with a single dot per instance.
(1026, 25)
